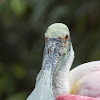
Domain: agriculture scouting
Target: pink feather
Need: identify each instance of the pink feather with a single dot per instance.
(75, 97)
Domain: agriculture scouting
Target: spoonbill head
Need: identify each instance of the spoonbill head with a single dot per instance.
(58, 50)
(57, 46)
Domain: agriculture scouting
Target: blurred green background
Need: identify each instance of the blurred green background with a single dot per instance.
(22, 27)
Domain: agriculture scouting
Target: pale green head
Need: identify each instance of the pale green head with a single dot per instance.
(57, 30)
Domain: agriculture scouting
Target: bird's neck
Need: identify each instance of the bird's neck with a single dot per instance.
(60, 83)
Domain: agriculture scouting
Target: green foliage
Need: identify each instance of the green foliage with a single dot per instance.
(18, 7)
(22, 27)
(18, 71)
(18, 96)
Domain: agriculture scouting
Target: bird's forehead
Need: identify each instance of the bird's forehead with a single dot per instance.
(57, 30)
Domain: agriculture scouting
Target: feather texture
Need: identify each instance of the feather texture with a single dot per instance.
(85, 80)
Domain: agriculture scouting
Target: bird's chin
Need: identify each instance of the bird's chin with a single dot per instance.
(62, 60)
(57, 67)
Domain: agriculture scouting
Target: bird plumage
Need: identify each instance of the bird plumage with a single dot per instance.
(85, 80)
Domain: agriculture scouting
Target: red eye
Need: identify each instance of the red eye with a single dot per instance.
(66, 37)
(44, 38)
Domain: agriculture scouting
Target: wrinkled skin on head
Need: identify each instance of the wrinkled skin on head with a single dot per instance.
(57, 49)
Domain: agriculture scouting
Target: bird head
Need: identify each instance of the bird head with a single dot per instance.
(57, 46)
(56, 53)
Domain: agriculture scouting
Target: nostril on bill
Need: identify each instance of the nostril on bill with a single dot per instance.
(48, 51)
(54, 50)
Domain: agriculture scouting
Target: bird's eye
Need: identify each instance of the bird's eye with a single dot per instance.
(66, 37)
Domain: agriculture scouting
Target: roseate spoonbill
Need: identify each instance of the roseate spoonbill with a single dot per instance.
(55, 81)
